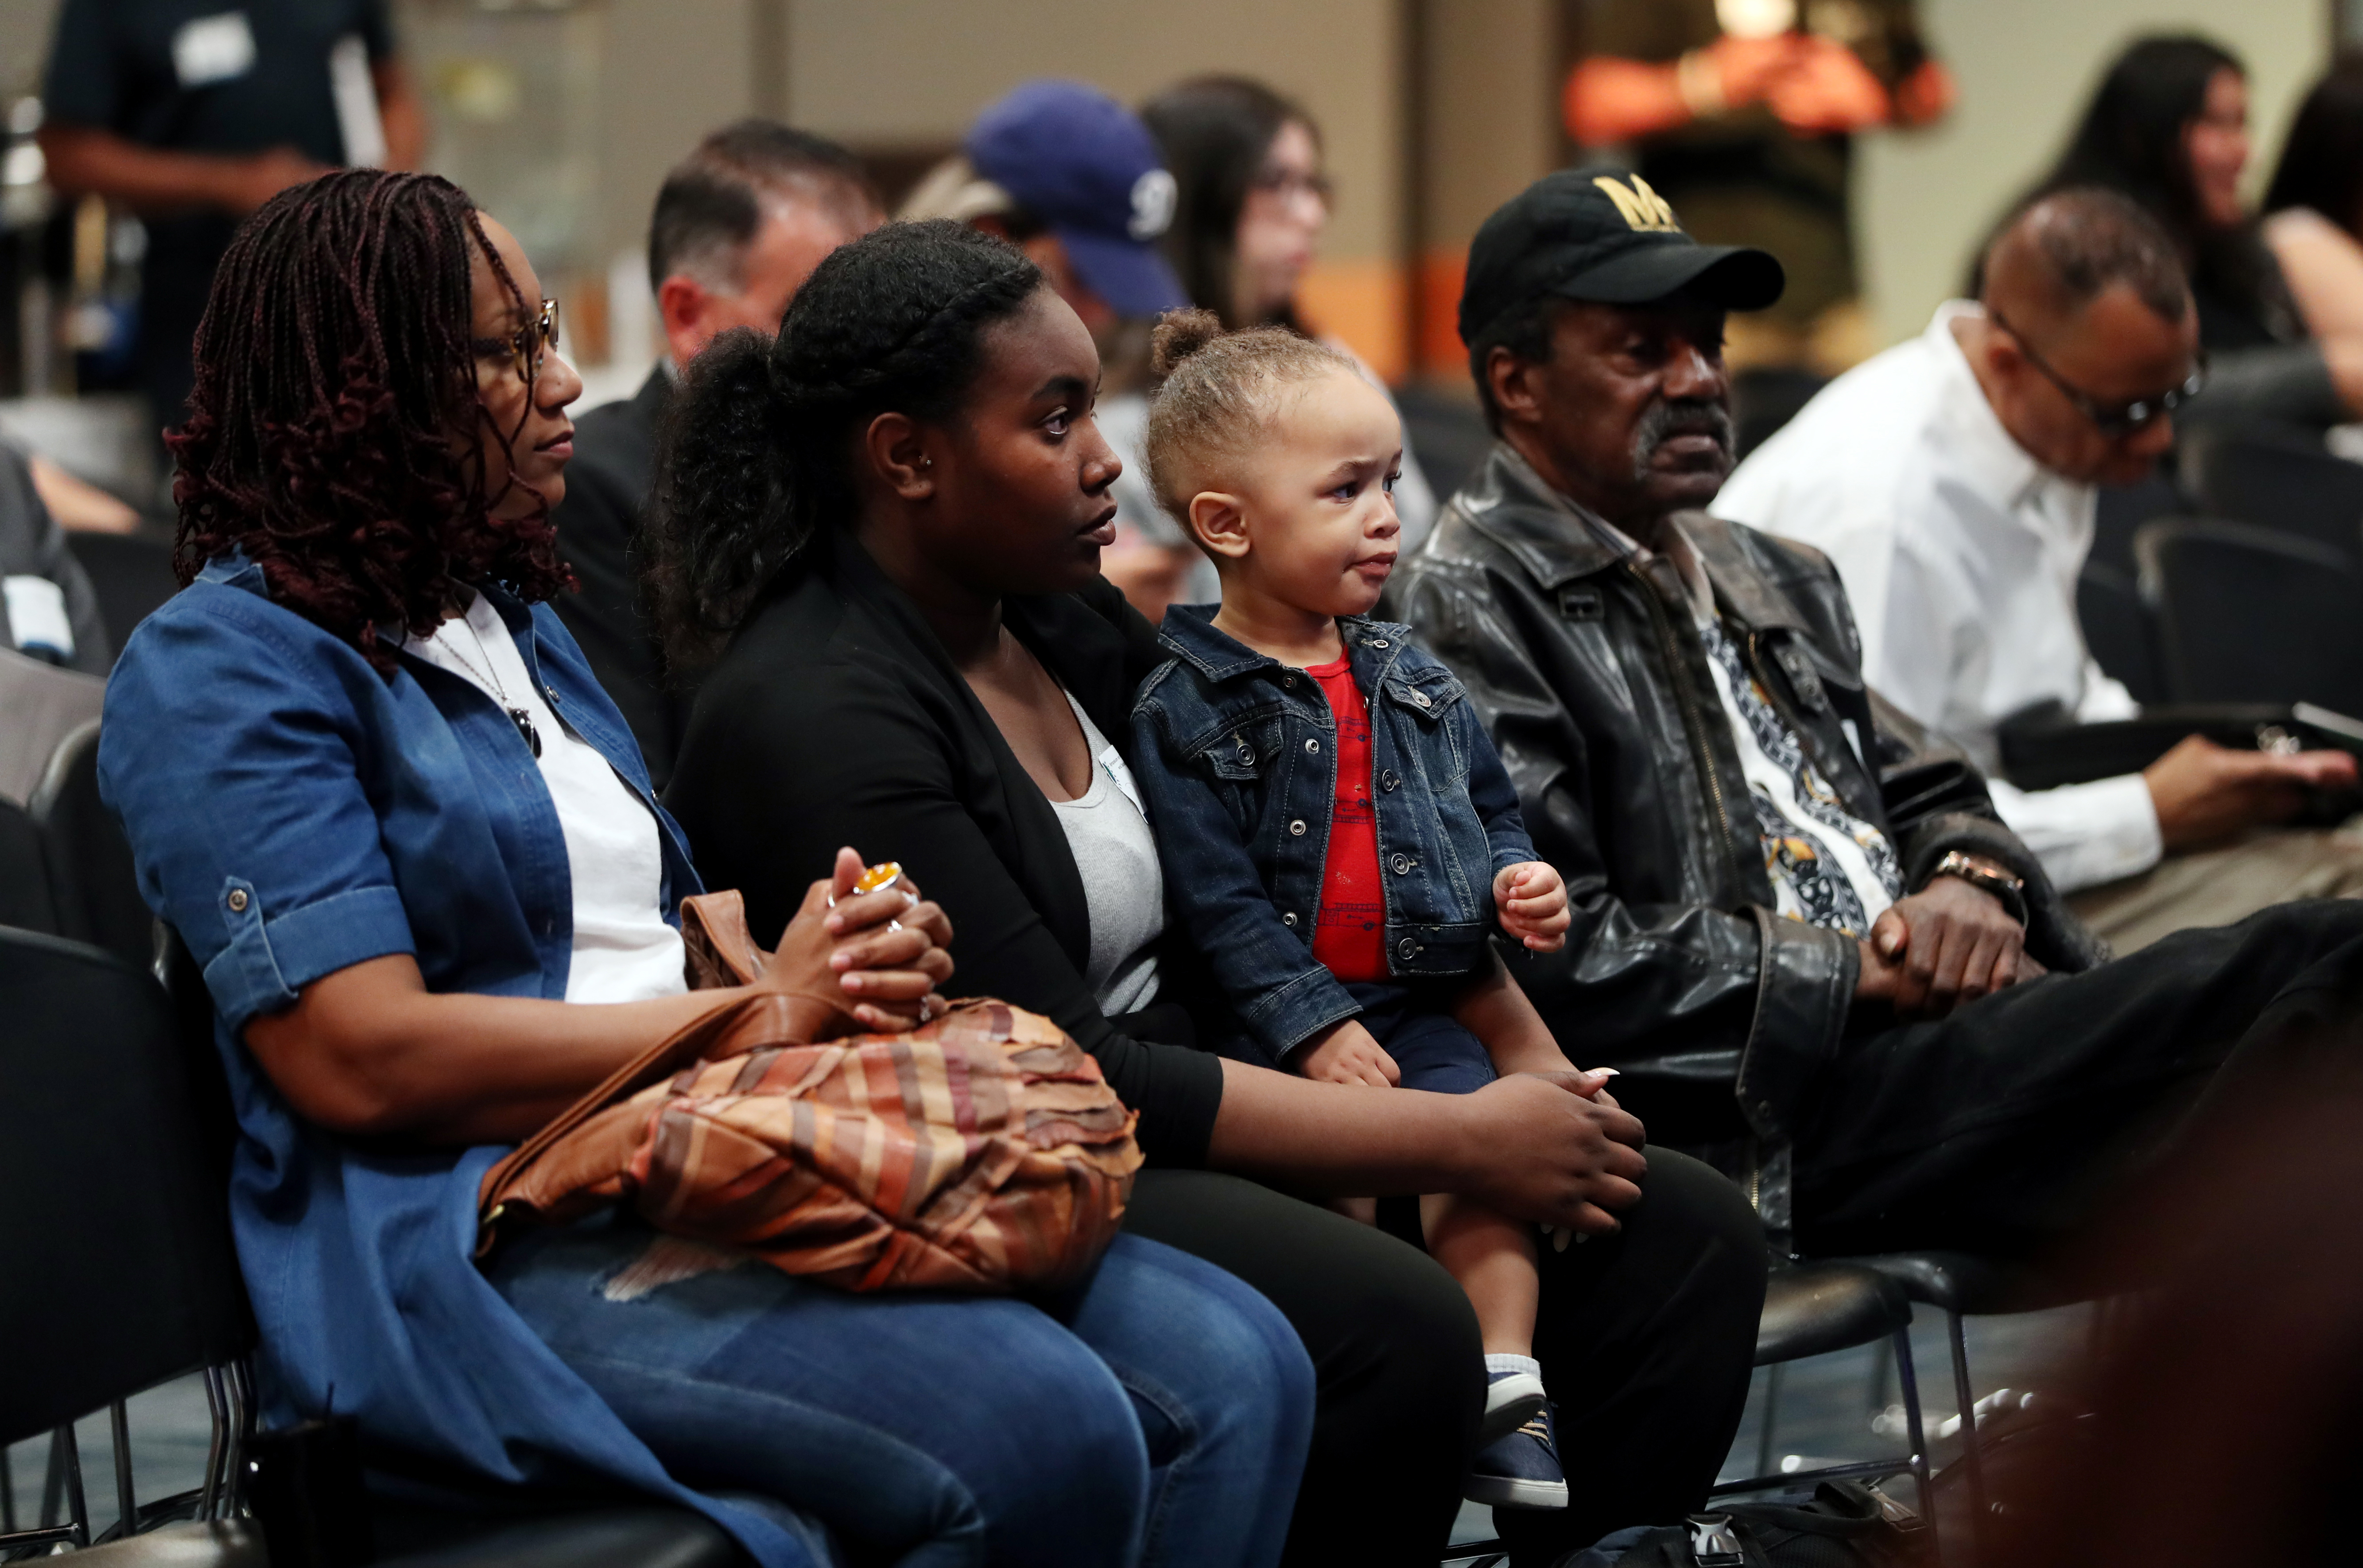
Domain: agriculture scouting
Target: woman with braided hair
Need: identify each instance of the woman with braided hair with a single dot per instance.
(890, 517)
(369, 779)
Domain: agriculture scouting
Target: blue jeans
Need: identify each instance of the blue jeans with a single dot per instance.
(1158, 1413)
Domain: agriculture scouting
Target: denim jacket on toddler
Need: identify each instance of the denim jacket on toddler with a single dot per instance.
(1236, 754)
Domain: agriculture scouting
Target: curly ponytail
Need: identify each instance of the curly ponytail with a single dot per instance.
(753, 459)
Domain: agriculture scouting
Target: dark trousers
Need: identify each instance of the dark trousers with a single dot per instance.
(1995, 1131)
(1646, 1340)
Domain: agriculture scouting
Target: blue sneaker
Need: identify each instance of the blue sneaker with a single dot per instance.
(1511, 1397)
(1522, 1470)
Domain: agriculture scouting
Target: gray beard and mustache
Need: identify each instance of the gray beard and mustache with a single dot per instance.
(1664, 420)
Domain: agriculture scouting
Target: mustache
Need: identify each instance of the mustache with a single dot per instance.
(1684, 416)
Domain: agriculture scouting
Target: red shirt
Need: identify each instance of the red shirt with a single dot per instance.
(1350, 936)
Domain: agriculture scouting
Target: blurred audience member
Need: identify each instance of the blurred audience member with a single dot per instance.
(79, 507)
(2314, 209)
(1951, 480)
(1071, 177)
(48, 610)
(2225, 1405)
(193, 114)
(1741, 113)
(739, 224)
(1251, 201)
(2169, 127)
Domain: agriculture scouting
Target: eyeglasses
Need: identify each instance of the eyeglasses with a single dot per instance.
(2125, 418)
(524, 347)
(1287, 184)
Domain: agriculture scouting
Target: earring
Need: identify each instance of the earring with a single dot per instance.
(927, 463)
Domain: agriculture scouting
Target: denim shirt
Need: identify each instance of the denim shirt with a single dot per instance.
(292, 812)
(1237, 754)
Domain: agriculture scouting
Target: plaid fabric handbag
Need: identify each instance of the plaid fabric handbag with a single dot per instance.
(980, 1151)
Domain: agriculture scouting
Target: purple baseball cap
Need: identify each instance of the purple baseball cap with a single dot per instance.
(1083, 164)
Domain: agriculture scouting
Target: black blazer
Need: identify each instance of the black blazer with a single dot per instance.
(836, 717)
(598, 524)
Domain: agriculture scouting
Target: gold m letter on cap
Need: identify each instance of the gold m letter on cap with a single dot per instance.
(1643, 209)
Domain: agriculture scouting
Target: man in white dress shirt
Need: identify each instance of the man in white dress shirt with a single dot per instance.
(1951, 479)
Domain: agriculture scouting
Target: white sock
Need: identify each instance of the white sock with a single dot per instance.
(1494, 1363)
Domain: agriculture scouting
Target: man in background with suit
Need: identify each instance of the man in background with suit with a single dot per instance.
(739, 224)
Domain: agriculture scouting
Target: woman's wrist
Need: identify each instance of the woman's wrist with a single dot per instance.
(1456, 1142)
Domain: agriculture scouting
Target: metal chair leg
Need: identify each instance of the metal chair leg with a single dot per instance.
(118, 1421)
(1916, 1432)
(217, 1449)
(1972, 1463)
(239, 1380)
(1771, 1415)
(8, 1493)
(65, 1481)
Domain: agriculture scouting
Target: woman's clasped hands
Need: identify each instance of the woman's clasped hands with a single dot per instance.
(861, 960)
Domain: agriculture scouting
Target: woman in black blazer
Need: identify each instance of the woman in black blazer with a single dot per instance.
(892, 514)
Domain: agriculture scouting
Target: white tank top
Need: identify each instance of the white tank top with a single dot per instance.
(1122, 888)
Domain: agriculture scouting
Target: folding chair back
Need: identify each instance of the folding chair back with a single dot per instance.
(2277, 479)
(2251, 615)
(98, 889)
(114, 1225)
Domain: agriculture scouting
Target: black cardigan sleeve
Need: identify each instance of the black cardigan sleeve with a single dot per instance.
(782, 765)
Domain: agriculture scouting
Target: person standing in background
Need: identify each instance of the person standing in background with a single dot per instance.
(1742, 114)
(739, 224)
(1250, 201)
(193, 114)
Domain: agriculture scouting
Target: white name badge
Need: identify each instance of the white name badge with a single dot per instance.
(356, 94)
(213, 49)
(37, 621)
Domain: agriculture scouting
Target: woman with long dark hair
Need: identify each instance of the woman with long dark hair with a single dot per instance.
(369, 777)
(1251, 202)
(2168, 126)
(891, 516)
(2314, 209)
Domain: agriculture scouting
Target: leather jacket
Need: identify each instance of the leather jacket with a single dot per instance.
(1237, 755)
(1598, 696)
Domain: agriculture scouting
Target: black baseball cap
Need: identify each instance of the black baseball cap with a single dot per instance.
(1601, 234)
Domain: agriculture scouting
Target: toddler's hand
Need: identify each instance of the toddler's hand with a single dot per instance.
(1346, 1054)
(1532, 902)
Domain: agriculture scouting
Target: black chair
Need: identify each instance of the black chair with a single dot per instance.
(117, 1244)
(1811, 1309)
(2250, 615)
(1961, 1285)
(2275, 478)
(97, 887)
(121, 1272)
(2117, 629)
(26, 900)
(131, 573)
(2123, 508)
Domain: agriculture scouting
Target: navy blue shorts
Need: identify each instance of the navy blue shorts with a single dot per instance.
(1429, 1044)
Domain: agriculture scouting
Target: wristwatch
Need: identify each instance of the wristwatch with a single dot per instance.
(2010, 890)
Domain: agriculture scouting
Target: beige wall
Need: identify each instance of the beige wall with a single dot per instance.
(1487, 127)
(2025, 69)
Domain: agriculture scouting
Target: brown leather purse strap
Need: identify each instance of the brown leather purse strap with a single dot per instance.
(719, 951)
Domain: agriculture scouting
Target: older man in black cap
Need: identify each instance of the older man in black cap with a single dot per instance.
(1801, 930)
